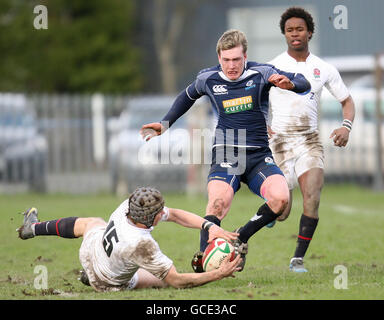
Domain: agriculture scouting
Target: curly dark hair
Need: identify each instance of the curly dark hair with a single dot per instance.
(297, 12)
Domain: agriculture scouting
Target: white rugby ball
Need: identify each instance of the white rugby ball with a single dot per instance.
(216, 252)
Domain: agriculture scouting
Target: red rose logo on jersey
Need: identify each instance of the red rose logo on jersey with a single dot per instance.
(316, 73)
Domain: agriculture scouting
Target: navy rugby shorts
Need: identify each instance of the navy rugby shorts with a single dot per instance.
(251, 166)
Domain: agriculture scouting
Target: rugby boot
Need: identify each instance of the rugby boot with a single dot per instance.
(297, 265)
(197, 262)
(30, 218)
(84, 278)
(240, 248)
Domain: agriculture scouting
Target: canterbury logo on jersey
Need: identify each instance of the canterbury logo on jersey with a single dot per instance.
(220, 89)
(226, 165)
(238, 104)
(269, 161)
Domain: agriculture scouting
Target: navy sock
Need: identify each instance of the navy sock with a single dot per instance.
(306, 230)
(204, 235)
(263, 216)
(63, 227)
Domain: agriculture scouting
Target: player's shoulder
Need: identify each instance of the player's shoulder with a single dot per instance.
(322, 63)
(204, 75)
(262, 68)
(134, 241)
(145, 244)
(257, 65)
(123, 207)
(120, 210)
(206, 72)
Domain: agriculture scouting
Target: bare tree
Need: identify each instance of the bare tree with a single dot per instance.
(168, 22)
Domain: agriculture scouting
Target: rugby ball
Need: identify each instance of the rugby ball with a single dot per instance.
(216, 252)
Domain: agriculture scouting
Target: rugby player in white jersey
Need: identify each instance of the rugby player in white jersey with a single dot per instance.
(294, 137)
(122, 254)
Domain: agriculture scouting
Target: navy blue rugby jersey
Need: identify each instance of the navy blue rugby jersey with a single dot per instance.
(239, 104)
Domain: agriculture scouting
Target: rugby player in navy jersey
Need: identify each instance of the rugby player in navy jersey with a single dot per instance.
(238, 91)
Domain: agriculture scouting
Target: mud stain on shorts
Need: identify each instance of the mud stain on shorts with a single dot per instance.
(280, 150)
(313, 144)
(300, 126)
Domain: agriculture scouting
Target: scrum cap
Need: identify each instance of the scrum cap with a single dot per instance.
(144, 204)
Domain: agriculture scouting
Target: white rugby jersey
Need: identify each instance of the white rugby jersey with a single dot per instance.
(124, 248)
(292, 113)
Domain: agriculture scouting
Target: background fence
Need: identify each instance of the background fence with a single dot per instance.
(71, 134)
(62, 143)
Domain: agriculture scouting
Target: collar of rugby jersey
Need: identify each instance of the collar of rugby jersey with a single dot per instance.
(310, 56)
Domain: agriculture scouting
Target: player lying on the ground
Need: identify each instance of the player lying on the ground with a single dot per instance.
(122, 254)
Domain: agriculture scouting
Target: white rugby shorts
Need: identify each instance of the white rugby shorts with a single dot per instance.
(296, 154)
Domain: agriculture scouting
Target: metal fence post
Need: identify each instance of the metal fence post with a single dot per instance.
(378, 177)
(98, 127)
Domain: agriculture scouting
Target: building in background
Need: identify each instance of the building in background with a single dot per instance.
(349, 45)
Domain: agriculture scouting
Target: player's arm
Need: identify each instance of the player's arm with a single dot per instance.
(181, 105)
(187, 280)
(295, 82)
(191, 220)
(337, 88)
(340, 135)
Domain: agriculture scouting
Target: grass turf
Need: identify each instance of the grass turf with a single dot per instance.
(349, 234)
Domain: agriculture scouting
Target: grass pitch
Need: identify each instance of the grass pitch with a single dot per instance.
(349, 234)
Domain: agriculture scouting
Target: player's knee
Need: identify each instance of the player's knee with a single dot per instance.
(311, 200)
(91, 220)
(281, 204)
(217, 207)
(99, 220)
(278, 201)
(83, 225)
(283, 216)
(286, 211)
(275, 190)
(95, 221)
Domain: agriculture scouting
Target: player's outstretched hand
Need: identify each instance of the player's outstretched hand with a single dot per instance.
(150, 130)
(217, 232)
(340, 137)
(228, 268)
(281, 81)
